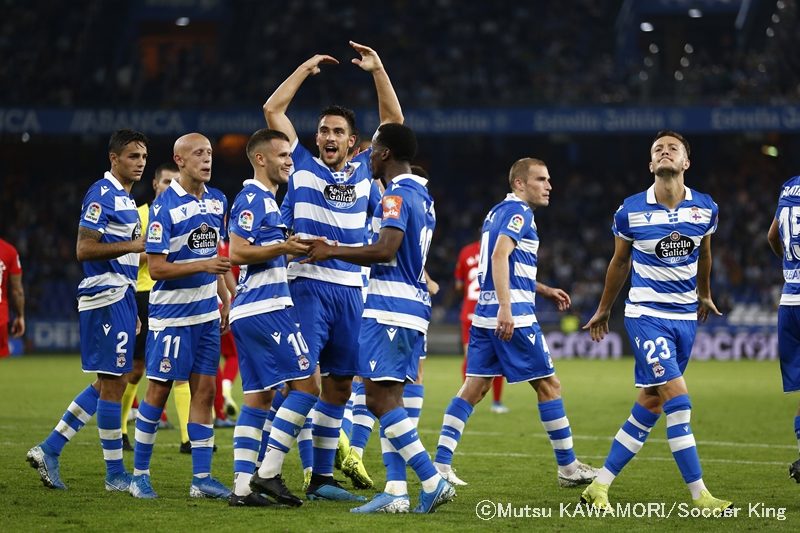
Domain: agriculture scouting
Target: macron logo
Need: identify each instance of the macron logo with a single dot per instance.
(686, 429)
(636, 340)
(648, 216)
(277, 337)
(156, 209)
(372, 365)
(103, 190)
(391, 332)
(250, 197)
(106, 328)
(532, 338)
(155, 335)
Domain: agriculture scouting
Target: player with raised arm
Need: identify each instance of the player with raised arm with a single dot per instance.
(396, 316)
(466, 282)
(109, 243)
(505, 338)
(330, 197)
(784, 239)
(186, 222)
(665, 234)
(10, 290)
(271, 347)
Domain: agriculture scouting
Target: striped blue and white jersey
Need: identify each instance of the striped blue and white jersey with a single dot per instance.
(262, 287)
(186, 230)
(333, 205)
(788, 217)
(109, 209)
(512, 217)
(397, 294)
(666, 246)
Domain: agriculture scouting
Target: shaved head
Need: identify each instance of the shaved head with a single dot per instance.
(185, 143)
(192, 153)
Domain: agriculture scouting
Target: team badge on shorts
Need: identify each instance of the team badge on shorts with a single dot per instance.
(516, 222)
(165, 366)
(120, 361)
(658, 370)
(93, 212)
(303, 362)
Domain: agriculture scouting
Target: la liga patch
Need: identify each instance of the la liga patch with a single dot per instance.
(392, 206)
(154, 232)
(516, 222)
(93, 212)
(246, 220)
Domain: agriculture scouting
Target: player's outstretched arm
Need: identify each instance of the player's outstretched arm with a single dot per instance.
(245, 253)
(382, 251)
(160, 268)
(706, 304)
(558, 296)
(89, 247)
(224, 295)
(774, 238)
(502, 286)
(276, 105)
(388, 105)
(617, 273)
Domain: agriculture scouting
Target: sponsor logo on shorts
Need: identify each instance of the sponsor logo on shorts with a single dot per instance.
(276, 336)
(674, 248)
(516, 222)
(203, 240)
(246, 220)
(106, 328)
(165, 366)
(532, 338)
(340, 196)
(93, 212)
(392, 206)
(372, 365)
(154, 232)
(391, 332)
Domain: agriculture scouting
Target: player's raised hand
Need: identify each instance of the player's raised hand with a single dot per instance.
(598, 325)
(217, 265)
(369, 60)
(706, 306)
(312, 65)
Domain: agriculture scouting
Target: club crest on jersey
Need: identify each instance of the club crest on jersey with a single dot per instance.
(93, 212)
(154, 232)
(340, 196)
(246, 220)
(658, 370)
(137, 230)
(516, 222)
(674, 248)
(203, 240)
(120, 360)
(165, 366)
(392, 206)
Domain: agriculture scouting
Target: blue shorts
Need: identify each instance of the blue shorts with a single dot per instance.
(789, 346)
(523, 358)
(176, 352)
(108, 335)
(661, 347)
(421, 348)
(272, 350)
(330, 317)
(388, 353)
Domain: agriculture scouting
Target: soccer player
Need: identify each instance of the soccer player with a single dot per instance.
(784, 239)
(665, 232)
(396, 316)
(186, 222)
(163, 176)
(271, 346)
(466, 276)
(330, 197)
(505, 338)
(109, 243)
(10, 289)
(225, 408)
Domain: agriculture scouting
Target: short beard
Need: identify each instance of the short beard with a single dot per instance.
(666, 173)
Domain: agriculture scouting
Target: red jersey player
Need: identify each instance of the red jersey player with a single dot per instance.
(10, 290)
(466, 275)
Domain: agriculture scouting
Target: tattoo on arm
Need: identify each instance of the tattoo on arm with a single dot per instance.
(86, 233)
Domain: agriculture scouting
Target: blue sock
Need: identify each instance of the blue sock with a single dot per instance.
(247, 437)
(455, 418)
(629, 440)
(797, 430)
(363, 419)
(202, 437)
(555, 422)
(277, 401)
(394, 462)
(402, 434)
(325, 428)
(347, 421)
(305, 445)
(681, 439)
(289, 419)
(109, 426)
(413, 396)
(80, 410)
(145, 436)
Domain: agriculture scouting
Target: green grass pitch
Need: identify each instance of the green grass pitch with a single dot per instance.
(741, 419)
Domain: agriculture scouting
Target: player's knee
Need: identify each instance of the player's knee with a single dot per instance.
(474, 389)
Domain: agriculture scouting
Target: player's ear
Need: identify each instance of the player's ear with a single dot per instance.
(650, 166)
(351, 141)
(686, 163)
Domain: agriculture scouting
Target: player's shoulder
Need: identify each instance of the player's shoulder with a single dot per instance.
(791, 187)
(636, 202)
(215, 193)
(701, 199)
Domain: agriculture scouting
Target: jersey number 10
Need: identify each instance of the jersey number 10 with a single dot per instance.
(789, 221)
